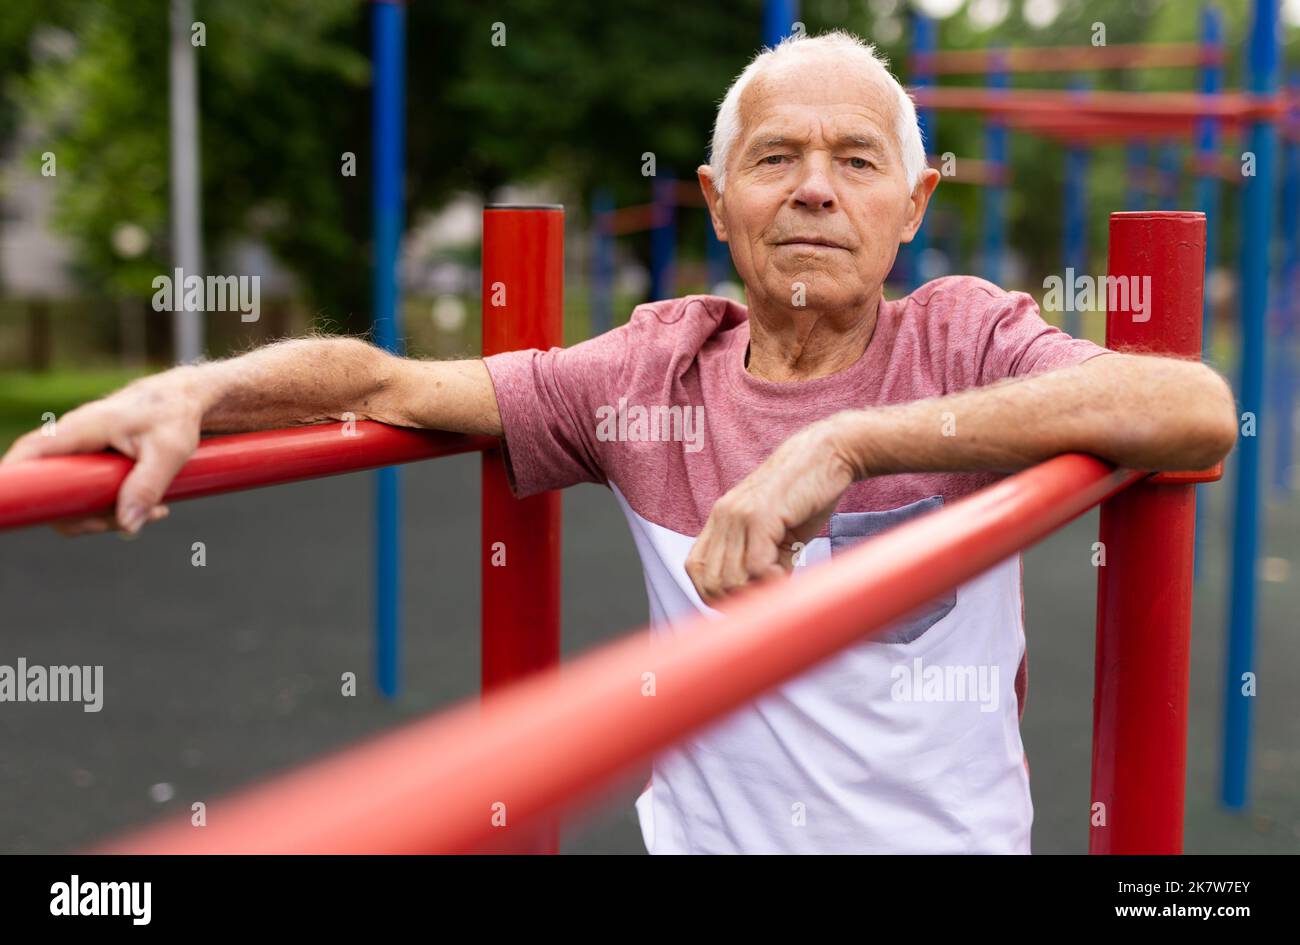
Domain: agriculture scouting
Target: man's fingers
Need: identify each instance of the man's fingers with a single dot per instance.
(733, 574)
(99, 524)
(702, 563)
(94, 525)
(763, 548)
(732, 552)
(78, 432)
(695, 564)
(716, 558)
(20, 449)
(147, 482)
(32, 445)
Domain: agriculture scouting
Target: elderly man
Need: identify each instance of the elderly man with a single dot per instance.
(744, 444)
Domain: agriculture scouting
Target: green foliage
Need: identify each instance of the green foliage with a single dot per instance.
(109, 142)
(282, 96)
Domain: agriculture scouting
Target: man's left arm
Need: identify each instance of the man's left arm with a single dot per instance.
(1136, 411)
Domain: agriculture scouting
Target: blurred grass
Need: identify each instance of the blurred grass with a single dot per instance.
(25, 396)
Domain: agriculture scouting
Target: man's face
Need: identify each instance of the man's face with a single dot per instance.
(816, 194)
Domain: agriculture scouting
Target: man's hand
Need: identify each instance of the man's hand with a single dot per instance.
(753, 531)
(155, 421)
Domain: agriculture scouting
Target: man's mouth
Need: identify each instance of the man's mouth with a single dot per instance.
(812, 242)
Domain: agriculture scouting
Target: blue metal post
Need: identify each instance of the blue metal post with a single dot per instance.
(1170, 173)
(1257, 217)
(388, 21)
(1207, 201)
(1075, 212)
(663, 237)
(1136, 186)
(779, 17)
(1284, 352)
(924, 40)
(601, 301)
(993, 197)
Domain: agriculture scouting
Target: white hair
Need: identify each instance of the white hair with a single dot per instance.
(726, 128)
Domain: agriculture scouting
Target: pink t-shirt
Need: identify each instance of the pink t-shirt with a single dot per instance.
(909, 742)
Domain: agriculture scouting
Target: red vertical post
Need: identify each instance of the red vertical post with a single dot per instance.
(1144, 590)
(523, 307)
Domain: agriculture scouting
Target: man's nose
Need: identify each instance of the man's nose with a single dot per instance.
(814, 191)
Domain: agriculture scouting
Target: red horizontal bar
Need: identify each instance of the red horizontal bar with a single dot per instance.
(633, 219)
(46, 490)
(640, 217)
(689, 194)
(1156, 106)
(972, 171)
(1066, 58)
(1094, 127)
(553, 738)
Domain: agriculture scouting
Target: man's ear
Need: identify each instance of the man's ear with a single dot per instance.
(919, 201)
(704, 174)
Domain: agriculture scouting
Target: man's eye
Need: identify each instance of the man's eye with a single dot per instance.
(774, 159)
(859, 163)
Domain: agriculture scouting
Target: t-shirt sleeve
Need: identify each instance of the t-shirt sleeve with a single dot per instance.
(548, 402)
(1015, 341)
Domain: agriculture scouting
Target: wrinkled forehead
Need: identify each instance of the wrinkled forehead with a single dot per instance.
(820, 91)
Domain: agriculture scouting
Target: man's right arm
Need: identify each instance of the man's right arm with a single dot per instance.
(157, 420)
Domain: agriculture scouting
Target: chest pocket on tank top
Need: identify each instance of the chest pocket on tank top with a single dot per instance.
(850, 528)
